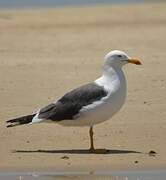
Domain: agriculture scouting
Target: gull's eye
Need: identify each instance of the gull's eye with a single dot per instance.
(119, 56)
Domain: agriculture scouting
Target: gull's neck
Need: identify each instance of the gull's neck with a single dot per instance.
(112, 77)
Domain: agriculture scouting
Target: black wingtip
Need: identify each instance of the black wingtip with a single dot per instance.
(12, 125)
(12, 120)
(20, 120)
(9, 126)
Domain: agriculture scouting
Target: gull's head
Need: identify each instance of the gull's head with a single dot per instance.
(118, 58)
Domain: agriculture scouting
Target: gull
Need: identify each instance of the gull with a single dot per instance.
(89, 104)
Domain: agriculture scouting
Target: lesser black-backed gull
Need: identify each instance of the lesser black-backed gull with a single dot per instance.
(89, 104)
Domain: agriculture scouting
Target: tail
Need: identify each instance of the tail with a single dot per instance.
(20, 121)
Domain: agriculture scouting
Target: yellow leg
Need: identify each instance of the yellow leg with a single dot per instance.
(92, 149)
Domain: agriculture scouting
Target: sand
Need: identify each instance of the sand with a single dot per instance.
(46, 52)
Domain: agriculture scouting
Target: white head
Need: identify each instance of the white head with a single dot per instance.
(118, 58)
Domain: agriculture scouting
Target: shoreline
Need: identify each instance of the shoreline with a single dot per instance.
(77, 6)
(70, 5)
(152, 175)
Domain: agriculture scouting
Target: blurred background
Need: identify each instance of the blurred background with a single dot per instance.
(50, 3)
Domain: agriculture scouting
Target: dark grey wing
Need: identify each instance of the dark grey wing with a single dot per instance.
(71, 103)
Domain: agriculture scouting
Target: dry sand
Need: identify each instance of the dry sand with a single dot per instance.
(46, 52)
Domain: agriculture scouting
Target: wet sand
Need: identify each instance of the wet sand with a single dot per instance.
(114, 175)
(46, 52)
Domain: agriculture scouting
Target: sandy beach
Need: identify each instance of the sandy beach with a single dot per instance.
(46, 52)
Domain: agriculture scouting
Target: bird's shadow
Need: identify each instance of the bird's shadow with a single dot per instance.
(78, 151)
